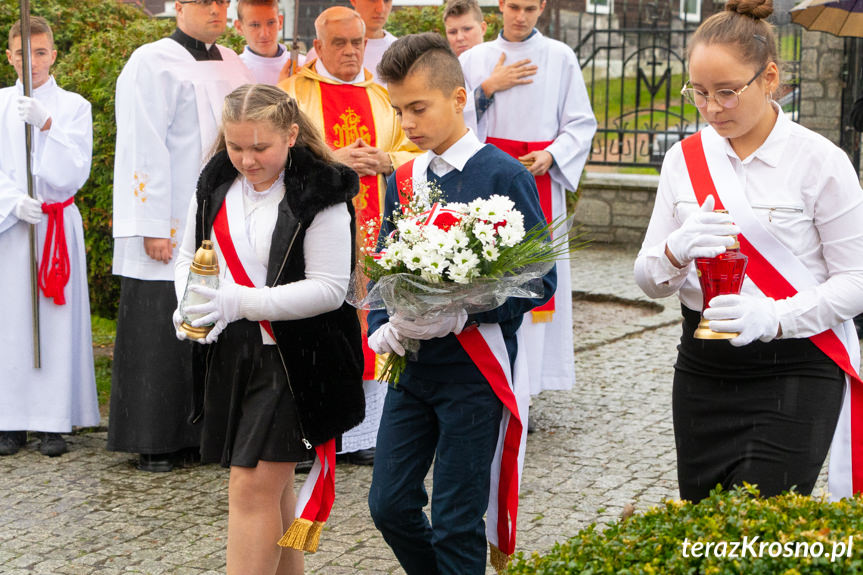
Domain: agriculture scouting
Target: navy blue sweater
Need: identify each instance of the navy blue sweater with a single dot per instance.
(490, 171)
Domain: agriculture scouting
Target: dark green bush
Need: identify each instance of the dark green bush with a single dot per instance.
(414, 19)
(652, 542)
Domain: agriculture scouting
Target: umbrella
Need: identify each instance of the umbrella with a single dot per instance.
(840, 18)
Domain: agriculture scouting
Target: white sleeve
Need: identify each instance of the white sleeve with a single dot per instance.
(573, 143)
(142, 173)
(186, 252)
(63, 161)
(839, 220)
(327, 253)
(9, 197)
(654, 273)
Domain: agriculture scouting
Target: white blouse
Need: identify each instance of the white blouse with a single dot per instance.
(805, 191)
(326, 249)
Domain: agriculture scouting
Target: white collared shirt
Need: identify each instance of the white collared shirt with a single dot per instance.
(456, 156)
(805, 192)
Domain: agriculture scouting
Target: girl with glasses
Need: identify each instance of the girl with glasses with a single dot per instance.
(761, 406)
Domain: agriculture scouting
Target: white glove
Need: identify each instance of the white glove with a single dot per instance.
(224, 305)
(386, 340)
(33, 111)
(213, 334)
(422, 328)
(754, 318)
(177, 319)
(29, 210)
(704, 234)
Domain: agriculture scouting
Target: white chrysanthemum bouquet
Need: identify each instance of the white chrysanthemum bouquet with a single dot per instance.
(442, 257)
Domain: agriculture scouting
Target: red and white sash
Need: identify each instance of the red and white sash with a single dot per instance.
(516, 149)
(485, 346)
(316, 497)
(779, 274)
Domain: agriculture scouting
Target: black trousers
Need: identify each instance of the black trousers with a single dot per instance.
(762, 414)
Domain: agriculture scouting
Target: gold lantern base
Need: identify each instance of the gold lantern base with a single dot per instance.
(195, 332)
(703, 331)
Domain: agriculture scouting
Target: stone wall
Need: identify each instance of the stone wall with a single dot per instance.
(821, 83)
(615, 208)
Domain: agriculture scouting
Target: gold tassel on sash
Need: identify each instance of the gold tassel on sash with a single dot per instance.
(380, 360)
(297, 534)
(542, 316)
(314, 537)
(498, 558)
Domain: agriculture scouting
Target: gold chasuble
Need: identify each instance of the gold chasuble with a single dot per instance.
(346, 112)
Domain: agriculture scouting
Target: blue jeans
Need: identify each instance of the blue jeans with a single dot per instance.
(456, 426)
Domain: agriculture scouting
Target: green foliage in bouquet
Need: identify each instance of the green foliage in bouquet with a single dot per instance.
(652, 543)
(415, 19)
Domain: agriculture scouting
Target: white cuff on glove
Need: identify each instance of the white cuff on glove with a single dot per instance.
(704, 234)
(223, 304)
(422, 328)
(386, 340)
(33, 112)
(29, 210)
(177, 320)
(753, 318)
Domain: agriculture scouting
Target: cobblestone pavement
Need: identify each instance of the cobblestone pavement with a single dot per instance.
(607, 442)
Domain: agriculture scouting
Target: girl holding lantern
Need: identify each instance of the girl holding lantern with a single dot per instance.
(283, 372)
(761, 406)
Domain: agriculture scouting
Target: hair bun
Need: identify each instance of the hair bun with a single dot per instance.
(758, 9)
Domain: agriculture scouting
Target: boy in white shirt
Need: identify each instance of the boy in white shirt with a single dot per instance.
(260, 23)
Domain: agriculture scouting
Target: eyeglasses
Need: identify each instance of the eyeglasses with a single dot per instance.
(726, 98)
(206, 2)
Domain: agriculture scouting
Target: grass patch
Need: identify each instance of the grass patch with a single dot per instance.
(104, 331)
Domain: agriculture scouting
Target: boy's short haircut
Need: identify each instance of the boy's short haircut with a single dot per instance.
(38, 25)
(428, 51)
(461, 7)
(242, 3)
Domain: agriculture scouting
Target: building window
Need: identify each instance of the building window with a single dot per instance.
(690, 10)
(599, 6)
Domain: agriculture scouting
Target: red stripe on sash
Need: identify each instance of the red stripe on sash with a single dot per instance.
(517, 149)
(771, 282)
(229, 252)
(54, 269)
(479, 352)
(347, 116)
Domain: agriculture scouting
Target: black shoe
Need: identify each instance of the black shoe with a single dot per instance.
(304, 466)
(156, 463)
(12, 441)
(52, 444)
(531, 424)
(361, 457)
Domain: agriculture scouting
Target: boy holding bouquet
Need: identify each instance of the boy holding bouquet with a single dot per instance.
(458, 402)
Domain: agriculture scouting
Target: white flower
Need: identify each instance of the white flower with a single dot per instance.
(442, 241)
(511, 233)
(490, 253)
(458, 238)
(409, 229)
(465, 259)
(412, 258)
(484, 232)
(498, 208)
(433, 262)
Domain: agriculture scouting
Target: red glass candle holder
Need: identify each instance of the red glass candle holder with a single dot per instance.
(719, 276)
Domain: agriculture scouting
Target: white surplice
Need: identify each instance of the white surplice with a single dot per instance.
(266, 70)
(169, 109)
(556, 108)
(62, 393)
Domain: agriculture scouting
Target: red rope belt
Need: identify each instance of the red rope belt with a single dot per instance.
(54, 267)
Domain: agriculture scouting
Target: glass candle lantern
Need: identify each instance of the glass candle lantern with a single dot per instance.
(204, 271)
(719, 275)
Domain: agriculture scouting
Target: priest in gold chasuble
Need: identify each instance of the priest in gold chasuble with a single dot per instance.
(356, 119)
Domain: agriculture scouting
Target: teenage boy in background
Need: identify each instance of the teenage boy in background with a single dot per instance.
(259, 22)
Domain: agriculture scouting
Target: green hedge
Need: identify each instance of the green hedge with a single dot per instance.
(652, 543)
(413, 19)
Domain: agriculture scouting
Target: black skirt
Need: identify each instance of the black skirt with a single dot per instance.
(764, 413)
(151, 380)
(249, 412)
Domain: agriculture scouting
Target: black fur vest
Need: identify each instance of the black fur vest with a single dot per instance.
(322, 355)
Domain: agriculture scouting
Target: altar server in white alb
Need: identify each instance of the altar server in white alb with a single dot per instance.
(169, 104)
(62, 392)
(552, 137)
(762, 406)
(260, 23)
